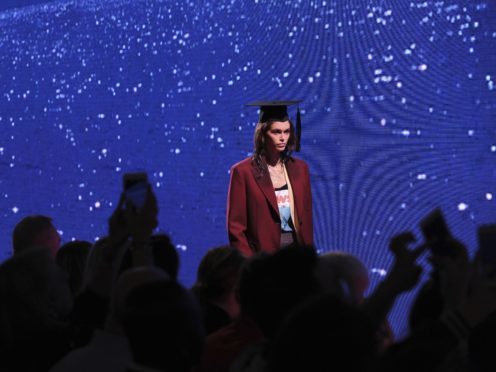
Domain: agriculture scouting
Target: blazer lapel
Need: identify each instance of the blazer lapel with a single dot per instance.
(265, 184)
(294, 174)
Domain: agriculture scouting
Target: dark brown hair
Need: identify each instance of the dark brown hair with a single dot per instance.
(71, 258)
(218, 273)
(259, 139)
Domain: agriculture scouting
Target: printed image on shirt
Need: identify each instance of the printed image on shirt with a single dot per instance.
(282, 196)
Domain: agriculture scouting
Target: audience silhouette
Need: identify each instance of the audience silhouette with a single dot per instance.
(117, 305)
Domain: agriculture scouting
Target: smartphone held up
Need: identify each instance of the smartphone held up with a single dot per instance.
(135, 189)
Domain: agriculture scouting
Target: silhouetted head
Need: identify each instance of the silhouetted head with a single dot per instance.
(163, 325)
(164, 254)
(126, 283)
(343, 275)
(271, 285)
(324, 334)
(35, 231)
(35, 301)
(94, 259)
(218, 273)
(71, 257)
(34, 294)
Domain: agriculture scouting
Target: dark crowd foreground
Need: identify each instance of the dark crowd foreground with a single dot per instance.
(116, 305)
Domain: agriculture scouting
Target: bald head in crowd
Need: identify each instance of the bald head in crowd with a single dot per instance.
(35, 231)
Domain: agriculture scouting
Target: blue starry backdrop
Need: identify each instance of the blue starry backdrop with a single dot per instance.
(398, 114)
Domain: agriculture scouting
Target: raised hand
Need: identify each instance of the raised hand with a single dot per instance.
(403, 276)
(405, 273)
(141, 222)
(117, 232)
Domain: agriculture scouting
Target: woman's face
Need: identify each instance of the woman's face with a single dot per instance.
(277, 136)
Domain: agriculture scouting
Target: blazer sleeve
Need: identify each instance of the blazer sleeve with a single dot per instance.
(237, 213)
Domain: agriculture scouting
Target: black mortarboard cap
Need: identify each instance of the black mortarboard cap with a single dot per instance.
(278, 110)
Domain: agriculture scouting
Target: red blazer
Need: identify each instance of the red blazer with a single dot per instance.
(253, 221)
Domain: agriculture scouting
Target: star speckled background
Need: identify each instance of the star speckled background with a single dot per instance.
(398, 112)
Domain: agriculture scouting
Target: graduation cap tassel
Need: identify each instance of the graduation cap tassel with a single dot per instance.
(298, 129)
